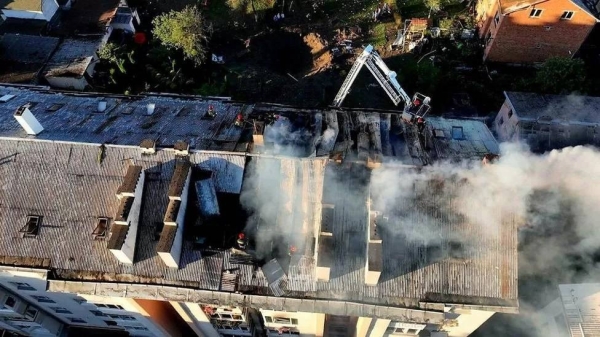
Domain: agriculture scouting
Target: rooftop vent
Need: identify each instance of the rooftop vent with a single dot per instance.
(150, 107)
(32, 226)
(6, 98)
(27, 120)
(101, 229)
(148, 146)
(101, 106)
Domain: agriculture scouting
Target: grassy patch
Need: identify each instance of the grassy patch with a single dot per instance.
(350, 11)
(377, 36)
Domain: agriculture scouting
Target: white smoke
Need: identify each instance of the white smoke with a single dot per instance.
(554, 198)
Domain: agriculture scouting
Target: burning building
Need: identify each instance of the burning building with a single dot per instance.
(320, 254)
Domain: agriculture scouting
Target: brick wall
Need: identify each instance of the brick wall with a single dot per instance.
(519, 38)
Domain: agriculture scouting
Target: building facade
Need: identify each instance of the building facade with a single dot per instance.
(574, 313)
(533, 31)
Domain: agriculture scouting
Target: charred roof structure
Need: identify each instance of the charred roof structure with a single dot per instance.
(312, 240)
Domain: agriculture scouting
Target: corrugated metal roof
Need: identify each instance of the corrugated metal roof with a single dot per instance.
(67, 185)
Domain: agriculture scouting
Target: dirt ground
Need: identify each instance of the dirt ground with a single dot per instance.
(322, 57)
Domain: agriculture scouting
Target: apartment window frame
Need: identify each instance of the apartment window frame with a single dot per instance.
(497, 18)
(510, 113)
(22, 286)
(43, 299)
(77, 320)
(29, 315)
(567, 15)
(536, 13)
(11, 299)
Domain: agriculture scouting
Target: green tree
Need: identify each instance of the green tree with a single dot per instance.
(433, 5)
(113, 54)
(182, 30)
(561, 75)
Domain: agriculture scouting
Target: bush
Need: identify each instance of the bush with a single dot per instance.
(182, 30)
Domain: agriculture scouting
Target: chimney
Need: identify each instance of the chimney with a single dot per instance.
(182, 148)
(325, 244)
(374, 265)
(171, 238)
(148, 146)
(27, 120)
(101, 106)
(150, 108)
(258, 133)
(125, 224)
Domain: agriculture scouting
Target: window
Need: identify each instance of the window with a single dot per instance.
(114, 306)
(10, 302)
(31, 313)
(43, 299)
(60, 310)
(488, 38)
(497, 18)
(285, 320)
(22, 286)
(535, 13)
(32, 226)
(510, 113)
(76, 320)
(98, 313)
(268, 319)
(567, 15)
(100, 230)
(458, 133)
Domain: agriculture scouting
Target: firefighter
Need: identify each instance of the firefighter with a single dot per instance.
(420, 124)
(239, 120)
(241, 241)
(211, 111)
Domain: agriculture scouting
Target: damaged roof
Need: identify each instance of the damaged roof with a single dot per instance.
(65, 176)
(72, 58)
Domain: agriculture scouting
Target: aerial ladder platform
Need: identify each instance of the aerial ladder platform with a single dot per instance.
(415, 109)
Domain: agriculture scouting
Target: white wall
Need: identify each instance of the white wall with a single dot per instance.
(508, 130)
(31, 15)
(68, 83)
(309, 324)
(130, 308)
(49, 8)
